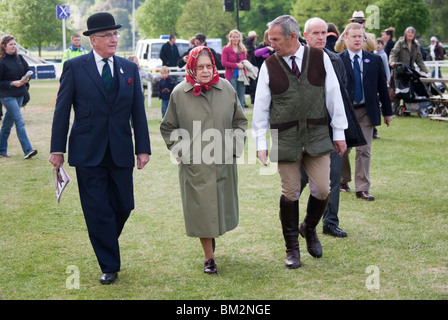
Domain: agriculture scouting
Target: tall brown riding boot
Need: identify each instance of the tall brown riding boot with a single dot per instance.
(289, 217)
(307, 229)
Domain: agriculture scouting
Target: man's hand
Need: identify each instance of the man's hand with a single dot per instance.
(387, 120)
(340, 146)
(56, 160)
(142, 160)
(263, 156)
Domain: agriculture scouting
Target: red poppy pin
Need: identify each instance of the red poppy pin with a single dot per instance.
(129, 83)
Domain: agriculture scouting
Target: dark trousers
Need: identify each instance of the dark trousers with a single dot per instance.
(107, 198)
(330, 216)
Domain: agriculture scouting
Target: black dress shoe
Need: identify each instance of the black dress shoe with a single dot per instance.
(364, 195)
(108, 278)
(344, 187)
(334, 231)
(210, 266)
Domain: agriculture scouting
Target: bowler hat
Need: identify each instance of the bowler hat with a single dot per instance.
(99, 22)
(357, 16)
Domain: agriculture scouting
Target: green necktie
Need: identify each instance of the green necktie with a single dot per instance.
(106, 75)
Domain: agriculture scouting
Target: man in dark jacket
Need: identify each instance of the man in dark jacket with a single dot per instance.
(366, 86)
(200, 40)
(169, 53)
(315, 34)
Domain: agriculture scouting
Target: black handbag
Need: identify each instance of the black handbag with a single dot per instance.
(26, 97)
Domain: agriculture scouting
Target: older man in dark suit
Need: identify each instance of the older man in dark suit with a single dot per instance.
(315, 33)
(366, 86)
(105, 93)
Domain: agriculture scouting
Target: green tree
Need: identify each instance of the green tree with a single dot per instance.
(208, 18)
(261, 12)
(32, 22)
(335, 11)
(439, 23)
(401, 14)
(157, 17)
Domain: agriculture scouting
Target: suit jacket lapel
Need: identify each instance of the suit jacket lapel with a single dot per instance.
(120, 73)
(365, 63)
(92, 71)
(348, 65)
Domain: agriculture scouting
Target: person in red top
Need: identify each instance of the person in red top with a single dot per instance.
(232, 56)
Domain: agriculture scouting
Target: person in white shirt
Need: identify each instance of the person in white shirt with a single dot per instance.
(296, 92)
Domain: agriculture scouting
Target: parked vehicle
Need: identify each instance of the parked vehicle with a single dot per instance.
(148, 54)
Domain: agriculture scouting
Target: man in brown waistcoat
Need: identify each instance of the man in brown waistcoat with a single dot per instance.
(297, 90)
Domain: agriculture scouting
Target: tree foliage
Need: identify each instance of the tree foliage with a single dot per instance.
(32, 22)
(261, 12)
(438, 10)
(401, 14)
(204, 16)
(335, 11)
(157, 17)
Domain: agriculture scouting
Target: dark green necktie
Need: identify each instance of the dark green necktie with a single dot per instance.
(106, 75)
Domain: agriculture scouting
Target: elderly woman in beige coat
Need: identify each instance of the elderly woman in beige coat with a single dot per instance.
(204, 128)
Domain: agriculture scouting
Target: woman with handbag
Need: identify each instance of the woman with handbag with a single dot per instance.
(12, 91)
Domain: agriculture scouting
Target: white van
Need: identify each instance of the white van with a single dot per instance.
(148, 54)
(148, 51)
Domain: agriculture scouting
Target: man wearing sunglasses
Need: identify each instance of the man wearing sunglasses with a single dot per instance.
(369, 38)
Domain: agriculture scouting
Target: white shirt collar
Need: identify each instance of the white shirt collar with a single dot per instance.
(352, 54)
(298, 54)
(100, 63)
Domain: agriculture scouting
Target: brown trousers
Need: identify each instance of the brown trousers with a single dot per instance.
(362, 158)
(318, 170)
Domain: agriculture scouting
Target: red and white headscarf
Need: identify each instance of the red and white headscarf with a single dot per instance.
(191, 71)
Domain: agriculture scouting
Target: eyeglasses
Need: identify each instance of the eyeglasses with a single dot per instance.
(359, 21)
(202, 67)
(108, 35)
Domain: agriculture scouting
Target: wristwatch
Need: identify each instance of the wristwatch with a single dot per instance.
(10, 84)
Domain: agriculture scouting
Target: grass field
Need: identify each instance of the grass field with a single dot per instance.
(396, 246)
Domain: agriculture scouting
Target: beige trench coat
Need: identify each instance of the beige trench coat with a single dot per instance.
(209, 136)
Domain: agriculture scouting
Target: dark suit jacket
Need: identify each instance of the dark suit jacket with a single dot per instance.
(353, 134)
(374, 85)
(99, 122)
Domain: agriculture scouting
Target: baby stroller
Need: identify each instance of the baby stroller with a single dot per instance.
(411, 90)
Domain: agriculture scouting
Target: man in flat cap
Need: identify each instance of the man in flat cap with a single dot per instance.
(105, 93)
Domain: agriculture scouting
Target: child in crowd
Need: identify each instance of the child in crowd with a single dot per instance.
(380, 51)
(166, 85)
(143, 75)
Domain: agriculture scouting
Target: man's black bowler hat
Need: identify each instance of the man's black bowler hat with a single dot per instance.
(99, 22)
